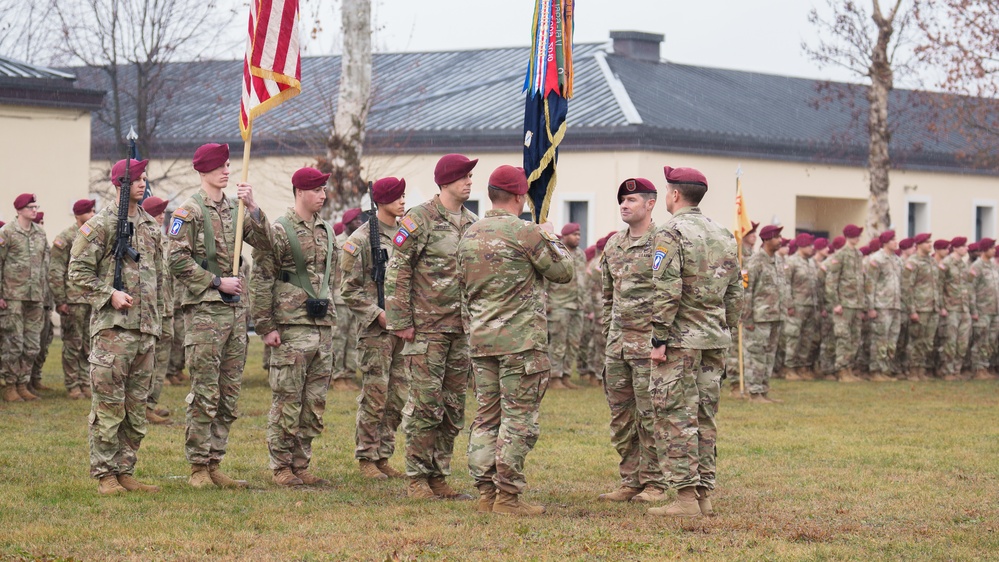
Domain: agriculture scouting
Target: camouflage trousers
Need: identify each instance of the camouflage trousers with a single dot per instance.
(883, 340)
(732, 358)
(438, 367)
(384, 390)
(75, 328)
(902, 347)
(597, 350)
(565, 328)
(345, 344)
(300, 374)
(801, 335)
(175, 363)
(922, 336)
(509, 390)
(163, 347)
(44, 341)
(983, 342)
(626, 385)
(685, 391)
(826, 362)
(846, 329)
(22, 332)
(215, 349)
(121, 366)
(760, 353)
(955, 335)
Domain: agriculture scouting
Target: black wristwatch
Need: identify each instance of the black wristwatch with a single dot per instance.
(658, 343)
(216, 282)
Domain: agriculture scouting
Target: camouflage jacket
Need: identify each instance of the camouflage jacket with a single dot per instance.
(341, 241)
(595, 289)
(628, 294)
(955, 284)
(63, 292)
(274, 300)
(572, 295)
(357, 287)
(767, 299)
(883, 281)
(802, 281)
(845, 279)
(187, 246)
(92, 266)
(698, 285)
(421, 284)
(24, 258)
(920, 285)
(821, 268)
(503, 262)
(169, 283)
(985, 286)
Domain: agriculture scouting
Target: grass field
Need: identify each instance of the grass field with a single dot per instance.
(892, 471)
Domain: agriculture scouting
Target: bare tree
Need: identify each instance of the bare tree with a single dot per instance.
(873, 46)
(26, 31)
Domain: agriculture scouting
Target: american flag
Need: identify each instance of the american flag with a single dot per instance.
(272, 67)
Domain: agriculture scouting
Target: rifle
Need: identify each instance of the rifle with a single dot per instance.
(379, 255)
(124, 231)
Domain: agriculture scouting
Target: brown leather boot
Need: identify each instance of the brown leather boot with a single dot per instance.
(154, 419)
(200, 478)
(684, 506)
(487, 496)
(370, 470)
(418, 489)
(569, 384)
(10, 394)
(24, 393)
(129, 482)
(510, 504)
(622, 494)
(109, 485)
(75, 394)
(222, 480)
(442, 490)
(310, 479)
(650, 494)
(704, 501)
(383, 466)
(285, 477)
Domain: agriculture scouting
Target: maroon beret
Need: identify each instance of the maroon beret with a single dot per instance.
(308, 179)
(922, 237)
(634, 185)
(821, 244)
(154, 206)
(23, 200)
(452, 167)
(906, 243)
(39, 217)
(210, 156)
(349, 215)
(804, 240)
(755, 225)
(838, 242)
(791, 247)
(898, 252)
(338, 228)
(865, 250)
(986, 244)
(510, 179)
(591, 253)
(852, 231)
(958, 242)
(941, 244)
(684, 175)
(2, 223)
(135, 169)
(874, 245)
(602, 243)
(973, 247)
(887, 236)
(570, 228)
(770, 231)
(387, 190)
(84, 206)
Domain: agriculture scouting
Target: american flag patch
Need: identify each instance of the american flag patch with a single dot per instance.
(349, 247)
(409, 223)
(86, 230)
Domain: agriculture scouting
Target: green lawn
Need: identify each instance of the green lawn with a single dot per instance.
(900, 471)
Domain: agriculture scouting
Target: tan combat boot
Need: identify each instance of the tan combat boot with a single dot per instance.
(222, 480)
(86, 392)
(75, 394)
(807, 374)
(982, 375)
(24, 393)
(684, 506)
(285, 477)
(109, 485)
(154, 419)
(418, 489)
(736, 393)
(10, 394)
(37, 386)
(129, 482)
(846, 375)
(792, 374)
(310, 479)
(759, 398)
(880, 377)
(162, 412)
(487, 496)
(569, 384)
(622, 494)
(556, 384)
(772, 399)
(370, 470)
(704, 502)
(387, 470)
(650, 494)
(200, 477)
(442, 490)
(510, 504)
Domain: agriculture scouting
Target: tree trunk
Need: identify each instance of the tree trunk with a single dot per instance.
(878, 162)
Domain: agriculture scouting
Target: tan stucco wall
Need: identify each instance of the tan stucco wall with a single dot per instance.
(45, 152)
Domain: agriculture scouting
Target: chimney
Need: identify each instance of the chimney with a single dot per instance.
(637, 45)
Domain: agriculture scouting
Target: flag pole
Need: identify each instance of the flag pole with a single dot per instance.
(742, 367)
(245, 174)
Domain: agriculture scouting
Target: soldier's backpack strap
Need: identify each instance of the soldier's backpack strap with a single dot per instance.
(300, 277)
(211, 262)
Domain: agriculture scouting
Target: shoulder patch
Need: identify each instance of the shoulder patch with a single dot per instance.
(349, 247)
(86, 230)
(2, 241)
(833, 261)
(401, 237)
(909, 266)
(182, 213)
(58, 242)
(657, 261)
(409, 224)
(548, 235)
(175, 226)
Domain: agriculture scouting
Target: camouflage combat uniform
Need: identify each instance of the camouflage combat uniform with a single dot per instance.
(698, 295)
(121, 357)
(565, 317)
(385, 382)
(164, 345)
(884, 296)
(45, 338)
(175, 363)
(301, 367)
(598, 341)
(23, 270)
(627, 299)
(215, 338)
(345, 334)
(956, 293)
(845, 288)
(762, 318)
(421, 292)
(825, 356)
(75, 324)
(921, 277)
(502, 262)
(985, 286)
(801, 330)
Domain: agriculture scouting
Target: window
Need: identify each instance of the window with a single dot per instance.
(527, 216)
(985, 220)
(918, 217)
(578, 212)
(473, 206)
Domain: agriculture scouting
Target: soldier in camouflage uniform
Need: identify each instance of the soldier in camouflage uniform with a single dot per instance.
(821, 366)
(595, 312)
(24, 252)
(175, 363)
(955, 287)
(627, 309)
(202, 250)
(385, 382)
(921, 302)
(48, 330)
(345, 337)
(845, 299)
(698, 295)
(883, 286)
(156, 207)
(985, 285)
(801, 329)
(290, 305)
(423, 307)
(502, 263)
(585, 351)
(125, 324)
(732, 355)
(766, 305)
(906, 248)
(72, 306)
(565, 312)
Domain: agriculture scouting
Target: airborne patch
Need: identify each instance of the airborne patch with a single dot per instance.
(409, 223)
(401, 237)
(175, 225)
(657, 261)
(349, 247)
